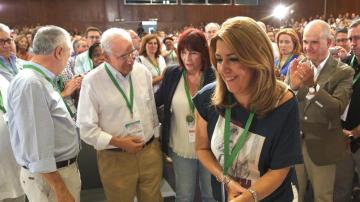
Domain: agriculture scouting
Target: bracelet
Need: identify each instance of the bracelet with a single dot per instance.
(253, 194)
(223, 179)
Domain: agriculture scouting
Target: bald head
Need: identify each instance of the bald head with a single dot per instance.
(316, 41)
(319, 26)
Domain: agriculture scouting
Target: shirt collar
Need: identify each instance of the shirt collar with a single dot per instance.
(117, 73)
(12, 59)
(322, 64)
(46, 71)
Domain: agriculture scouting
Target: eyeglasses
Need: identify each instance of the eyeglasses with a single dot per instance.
(3, 41)
(128, 55)
(93, 37)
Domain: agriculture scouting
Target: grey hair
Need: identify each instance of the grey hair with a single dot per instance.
(109, 35)
(4, 28)
(324, 27)
(49, 37)
(355, 23)
(212, 24)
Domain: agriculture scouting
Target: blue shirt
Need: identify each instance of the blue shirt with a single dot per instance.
(8, 69)
(42, 130)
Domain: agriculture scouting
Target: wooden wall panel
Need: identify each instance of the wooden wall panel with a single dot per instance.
(107, 13)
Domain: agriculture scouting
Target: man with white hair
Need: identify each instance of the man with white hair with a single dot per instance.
(43, 134)
(9, 63)
(210, 30)
(117, 116)
(323, 87)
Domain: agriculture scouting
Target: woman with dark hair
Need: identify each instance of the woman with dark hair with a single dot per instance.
(150, 56)
(180, 83)
(96, 55)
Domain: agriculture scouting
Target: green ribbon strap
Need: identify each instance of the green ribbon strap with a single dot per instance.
(230, 157)
(157, 68)
(2, 108)
(356, 78)
(191, 104)
(55, 86)
(129, 102)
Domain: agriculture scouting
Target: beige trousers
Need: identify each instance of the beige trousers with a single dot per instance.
(322, 178)
(126, 175)
(38, 190)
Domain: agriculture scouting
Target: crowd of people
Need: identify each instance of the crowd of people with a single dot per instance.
(244, 110)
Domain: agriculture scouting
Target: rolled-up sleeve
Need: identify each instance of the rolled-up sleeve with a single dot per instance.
(33, 122)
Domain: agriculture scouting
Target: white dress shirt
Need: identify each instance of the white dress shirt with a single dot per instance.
(317, 71)
(102, 110)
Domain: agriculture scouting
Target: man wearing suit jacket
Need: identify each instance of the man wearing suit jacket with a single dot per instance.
(323, 88)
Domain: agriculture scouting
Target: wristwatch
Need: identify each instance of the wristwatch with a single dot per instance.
(253, 194)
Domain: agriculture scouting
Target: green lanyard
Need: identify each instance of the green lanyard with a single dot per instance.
(172, 57)
(2, 108)
(191, 104)
(287, 60)
(52, 83)
(356, 78)
(157, 68)
(230, 157)
(129, 103)
(91, 64)
(7, 69)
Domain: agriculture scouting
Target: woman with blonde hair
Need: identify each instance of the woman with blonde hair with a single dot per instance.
(289, 48)
(150, 56)
(247, 122)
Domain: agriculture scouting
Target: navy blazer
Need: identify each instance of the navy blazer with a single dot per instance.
(165, 94)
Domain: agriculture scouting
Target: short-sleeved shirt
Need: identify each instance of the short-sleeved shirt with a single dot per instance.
(273, 142)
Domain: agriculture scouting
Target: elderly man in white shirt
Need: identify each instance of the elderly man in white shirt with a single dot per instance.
(117, 116)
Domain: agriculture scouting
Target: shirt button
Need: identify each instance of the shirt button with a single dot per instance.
(305, 117)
